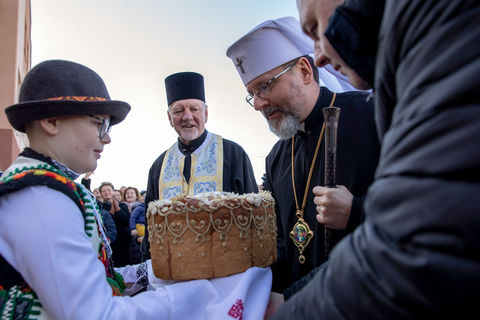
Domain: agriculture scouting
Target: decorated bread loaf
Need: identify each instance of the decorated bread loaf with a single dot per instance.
(211, 235)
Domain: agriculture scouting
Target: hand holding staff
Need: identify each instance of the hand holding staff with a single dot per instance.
(331, 115)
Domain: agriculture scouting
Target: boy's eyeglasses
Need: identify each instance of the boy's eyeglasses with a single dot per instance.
(103, 126)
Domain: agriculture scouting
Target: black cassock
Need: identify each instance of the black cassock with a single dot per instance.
(357, 157)
(238, 174)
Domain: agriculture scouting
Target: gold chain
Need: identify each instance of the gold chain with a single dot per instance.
(310, 172)
(300, 211)
(301, 233)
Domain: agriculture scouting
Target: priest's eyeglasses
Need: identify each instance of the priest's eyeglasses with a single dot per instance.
(263, 90)
(103, 126)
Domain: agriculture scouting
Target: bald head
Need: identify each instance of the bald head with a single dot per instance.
(314, 17)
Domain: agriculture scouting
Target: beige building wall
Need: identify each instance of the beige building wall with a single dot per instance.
(15, 61)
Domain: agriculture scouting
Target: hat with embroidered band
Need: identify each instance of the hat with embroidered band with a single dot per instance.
(184, 85)
(63, 88)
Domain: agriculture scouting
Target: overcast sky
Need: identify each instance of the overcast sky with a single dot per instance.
(134, 45)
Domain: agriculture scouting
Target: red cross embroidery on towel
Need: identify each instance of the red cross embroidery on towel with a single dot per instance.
(236, 311)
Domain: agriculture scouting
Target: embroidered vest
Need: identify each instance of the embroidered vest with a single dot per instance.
(206, 170)
(17, 299)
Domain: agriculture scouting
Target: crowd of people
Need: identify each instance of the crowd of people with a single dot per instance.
(123, 214)
(395, 237)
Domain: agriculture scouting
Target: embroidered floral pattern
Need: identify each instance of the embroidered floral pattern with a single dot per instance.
(208, 167)
(201, 187)
(172, 171)
(172, 192)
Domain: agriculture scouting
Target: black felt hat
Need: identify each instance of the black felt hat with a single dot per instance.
(63, 88)
(184, 85)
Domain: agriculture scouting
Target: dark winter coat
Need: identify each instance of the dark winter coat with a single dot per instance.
(121, 246)
(417, 255)
(109, 225)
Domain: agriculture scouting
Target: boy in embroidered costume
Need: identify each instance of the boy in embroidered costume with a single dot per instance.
(55, 260)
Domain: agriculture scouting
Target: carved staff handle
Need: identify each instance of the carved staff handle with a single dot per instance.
(331, 115)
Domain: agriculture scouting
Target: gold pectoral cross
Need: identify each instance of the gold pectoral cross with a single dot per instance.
(301, 235)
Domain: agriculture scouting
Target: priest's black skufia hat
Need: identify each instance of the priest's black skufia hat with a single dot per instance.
(184, 85)
(63, 88)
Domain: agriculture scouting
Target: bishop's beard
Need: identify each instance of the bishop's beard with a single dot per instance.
(286, 127)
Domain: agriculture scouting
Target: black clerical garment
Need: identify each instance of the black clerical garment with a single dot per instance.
(357, 157)
(238, 174)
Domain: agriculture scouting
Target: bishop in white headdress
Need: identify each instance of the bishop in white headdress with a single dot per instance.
(257, 52)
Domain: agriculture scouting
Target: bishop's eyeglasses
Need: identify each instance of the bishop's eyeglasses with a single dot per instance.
(263, 90)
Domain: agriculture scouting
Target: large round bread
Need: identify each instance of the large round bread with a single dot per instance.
(211, 235)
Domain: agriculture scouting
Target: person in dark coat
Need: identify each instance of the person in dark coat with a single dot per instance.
(416, 256)
(283, 84)
(200, 161)
(109, 224)
(121, 217)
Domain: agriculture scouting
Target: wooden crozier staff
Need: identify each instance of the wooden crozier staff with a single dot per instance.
(331, 115)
